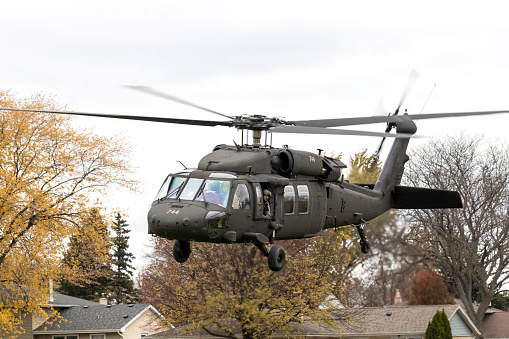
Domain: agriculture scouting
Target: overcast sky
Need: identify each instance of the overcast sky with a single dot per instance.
(296, 59)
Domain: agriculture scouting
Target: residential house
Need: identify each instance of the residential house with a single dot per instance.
(363, 323)
(80, 319)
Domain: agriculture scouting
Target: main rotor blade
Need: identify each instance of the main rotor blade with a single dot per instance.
(410, 83)
(129, 117)
(395, 119)
(173, 98)
(318, 130)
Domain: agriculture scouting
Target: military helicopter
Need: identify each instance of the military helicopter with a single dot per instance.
(259, 194)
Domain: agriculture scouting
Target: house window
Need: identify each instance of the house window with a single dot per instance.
(72, 336)
(98, 336)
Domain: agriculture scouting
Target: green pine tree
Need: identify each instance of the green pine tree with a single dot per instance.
(86, 263)
(447, 326)
(121, 287)
(439, 327)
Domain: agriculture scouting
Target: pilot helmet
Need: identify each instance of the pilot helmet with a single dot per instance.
(267, 192)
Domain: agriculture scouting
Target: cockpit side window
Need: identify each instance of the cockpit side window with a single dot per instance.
(241, 198)
(175, 187)
(163, 191)
(215, 192)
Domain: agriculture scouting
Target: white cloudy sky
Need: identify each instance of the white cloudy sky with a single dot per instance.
(296, 59)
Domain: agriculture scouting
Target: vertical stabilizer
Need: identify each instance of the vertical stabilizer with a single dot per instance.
(394, 165)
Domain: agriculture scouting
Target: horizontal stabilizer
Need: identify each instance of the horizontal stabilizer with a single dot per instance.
(405, 197)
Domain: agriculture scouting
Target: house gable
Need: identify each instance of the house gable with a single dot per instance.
(459, 328)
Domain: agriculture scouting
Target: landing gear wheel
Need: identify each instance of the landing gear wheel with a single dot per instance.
(277, 258)
(181, 250)
(364, 246)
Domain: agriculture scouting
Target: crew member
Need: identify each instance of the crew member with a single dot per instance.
(266, 204)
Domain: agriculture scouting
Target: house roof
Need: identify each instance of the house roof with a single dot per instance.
(358, 322)
(62, 300)
(94, 318)
(401, 320)
(496, 325)
(212, 331)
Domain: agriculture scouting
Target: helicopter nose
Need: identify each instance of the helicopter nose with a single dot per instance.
(175, 221)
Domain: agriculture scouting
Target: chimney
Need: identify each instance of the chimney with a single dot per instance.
(51, 298)
(103, 301)
(397, 297)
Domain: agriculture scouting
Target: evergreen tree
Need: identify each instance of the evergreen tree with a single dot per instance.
(447, 325)
(121, 287)
(86, 263)
(439, 327)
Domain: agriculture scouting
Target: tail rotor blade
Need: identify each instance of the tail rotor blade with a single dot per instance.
(377, 153)
(410, 83)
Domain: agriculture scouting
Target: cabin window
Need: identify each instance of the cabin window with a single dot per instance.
(191, 188)
(215, 192)
(175, 187)
(303, 191)
(241, 198)
(289, 197)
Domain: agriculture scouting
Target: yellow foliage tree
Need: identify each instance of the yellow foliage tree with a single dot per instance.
(49, 172)
(226, 289)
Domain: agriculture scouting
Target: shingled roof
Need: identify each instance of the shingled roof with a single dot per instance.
(94, 317)
(496, 325)
(62, 300)
(401, 320)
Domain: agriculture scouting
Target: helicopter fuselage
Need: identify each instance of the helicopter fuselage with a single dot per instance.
(227, 206)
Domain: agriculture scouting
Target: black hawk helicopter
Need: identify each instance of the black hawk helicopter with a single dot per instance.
(256, 193)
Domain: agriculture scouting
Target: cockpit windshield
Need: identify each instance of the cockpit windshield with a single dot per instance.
(214, 191)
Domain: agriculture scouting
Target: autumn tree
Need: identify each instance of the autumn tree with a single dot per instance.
(469, 246)
(429, 289)
(121, 287)
(50, 173)
(221, 282)
(87, 263)
(384, 269)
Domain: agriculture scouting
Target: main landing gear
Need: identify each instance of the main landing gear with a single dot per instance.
(363, 242)
(276, 256)
(181, 250)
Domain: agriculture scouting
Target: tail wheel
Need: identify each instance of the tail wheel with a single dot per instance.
(277, 258)
(181, 250)
(364, 246)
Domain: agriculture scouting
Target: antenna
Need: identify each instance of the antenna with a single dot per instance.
(428, 98)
